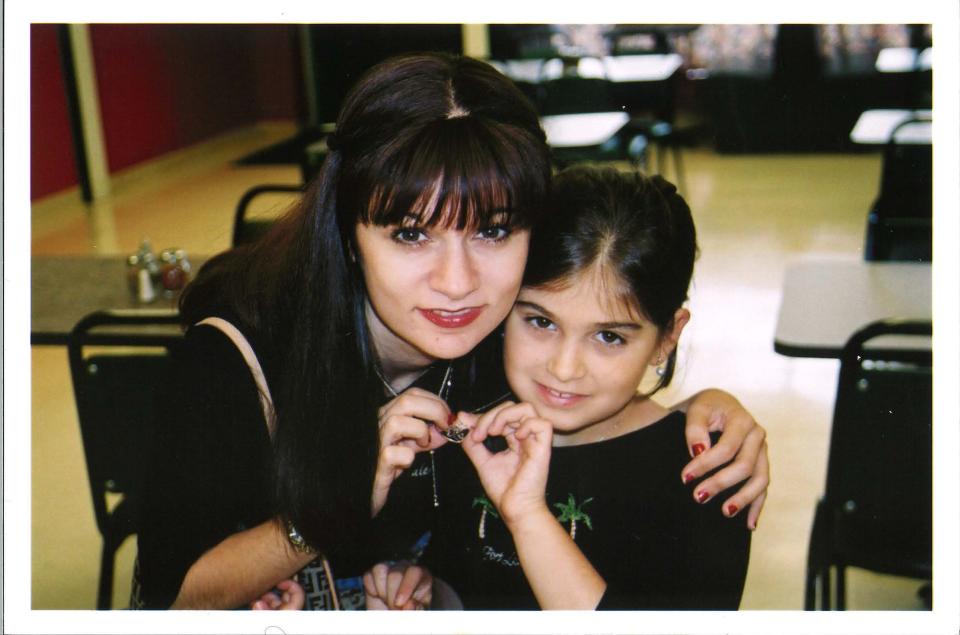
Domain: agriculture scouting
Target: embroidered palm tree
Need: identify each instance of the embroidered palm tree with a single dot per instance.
(485, 507)
(571, 512)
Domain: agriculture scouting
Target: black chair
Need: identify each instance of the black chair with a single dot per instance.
(247, 227)
(118, 389)
(900, 221)
(572, 93)
(876, 510)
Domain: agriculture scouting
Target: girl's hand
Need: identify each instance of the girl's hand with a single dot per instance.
(291, 598)
(515, 479)
(398, 586)
(742, 445)
(405, 430)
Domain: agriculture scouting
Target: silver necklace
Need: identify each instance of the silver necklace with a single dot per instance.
(458, 431)
(454, 433)
(390, 389)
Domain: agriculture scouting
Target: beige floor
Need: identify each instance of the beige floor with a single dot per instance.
(754, 214)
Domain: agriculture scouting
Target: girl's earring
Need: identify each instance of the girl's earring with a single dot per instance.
(660, 369)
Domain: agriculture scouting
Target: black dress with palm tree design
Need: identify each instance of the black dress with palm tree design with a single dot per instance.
(623, 503)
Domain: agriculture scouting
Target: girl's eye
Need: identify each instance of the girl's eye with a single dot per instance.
(494, 233)
(409, 235)
(609, 337)
(539, 322)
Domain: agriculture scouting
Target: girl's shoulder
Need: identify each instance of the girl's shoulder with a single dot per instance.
(650, 448)
(665, 439)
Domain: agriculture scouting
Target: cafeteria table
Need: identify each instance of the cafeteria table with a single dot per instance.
(902, 59)
(582, 129)
(64, 289)
(617, 68)
(826, 300)
(873, 127)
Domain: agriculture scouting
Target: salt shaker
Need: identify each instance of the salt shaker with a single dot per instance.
(145, 291)
(133, 274)
(143, 273)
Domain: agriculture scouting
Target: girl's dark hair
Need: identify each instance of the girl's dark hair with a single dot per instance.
(445, 138)
(634, 227)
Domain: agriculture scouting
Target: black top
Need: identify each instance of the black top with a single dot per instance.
(624, 503)
(210, 475)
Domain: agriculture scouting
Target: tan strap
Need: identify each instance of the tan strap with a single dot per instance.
(266, 402)
(269, 414)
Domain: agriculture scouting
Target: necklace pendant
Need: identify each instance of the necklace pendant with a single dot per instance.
(457, 432)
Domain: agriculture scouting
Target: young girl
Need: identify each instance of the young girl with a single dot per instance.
(608, 525)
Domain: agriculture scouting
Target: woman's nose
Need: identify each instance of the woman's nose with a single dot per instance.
(566, 363)
(455, 274)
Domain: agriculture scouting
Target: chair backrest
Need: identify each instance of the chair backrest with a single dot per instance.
(897, 238)
(906, 180)
(571, 85)
(879, 474)
(249, 225)
(900, 222)
(118, 377)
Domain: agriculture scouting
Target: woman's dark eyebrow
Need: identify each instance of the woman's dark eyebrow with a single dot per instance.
(497, 216)
(500, 215)
(408, 220)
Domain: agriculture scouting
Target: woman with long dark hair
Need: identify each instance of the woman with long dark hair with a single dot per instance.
(366, 311)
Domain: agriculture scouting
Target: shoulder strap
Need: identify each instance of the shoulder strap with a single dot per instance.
(266, 402)
(269, 414)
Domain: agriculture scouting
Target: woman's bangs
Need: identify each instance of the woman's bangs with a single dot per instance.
(457, 174)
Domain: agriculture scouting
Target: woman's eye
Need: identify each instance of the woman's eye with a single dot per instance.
(539, 322)
(609, 337)
(495, 233)
(409, 235)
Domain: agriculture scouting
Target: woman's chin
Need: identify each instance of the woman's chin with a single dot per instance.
(450, 347)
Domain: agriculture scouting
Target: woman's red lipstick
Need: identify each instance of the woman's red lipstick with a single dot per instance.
(452, 319)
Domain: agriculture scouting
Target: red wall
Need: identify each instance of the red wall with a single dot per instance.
(167, 86)
(275, 63)
(52, 166)
(161, 87)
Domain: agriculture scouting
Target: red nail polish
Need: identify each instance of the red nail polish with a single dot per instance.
(689, 477)
(702, 496)
(698, 449)
(451, 419)
(732, 509)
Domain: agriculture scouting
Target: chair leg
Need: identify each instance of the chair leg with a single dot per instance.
(825, 572)
(105, 587)
(841, 587)
(809, 586)
(814, 572)
(816, 569)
